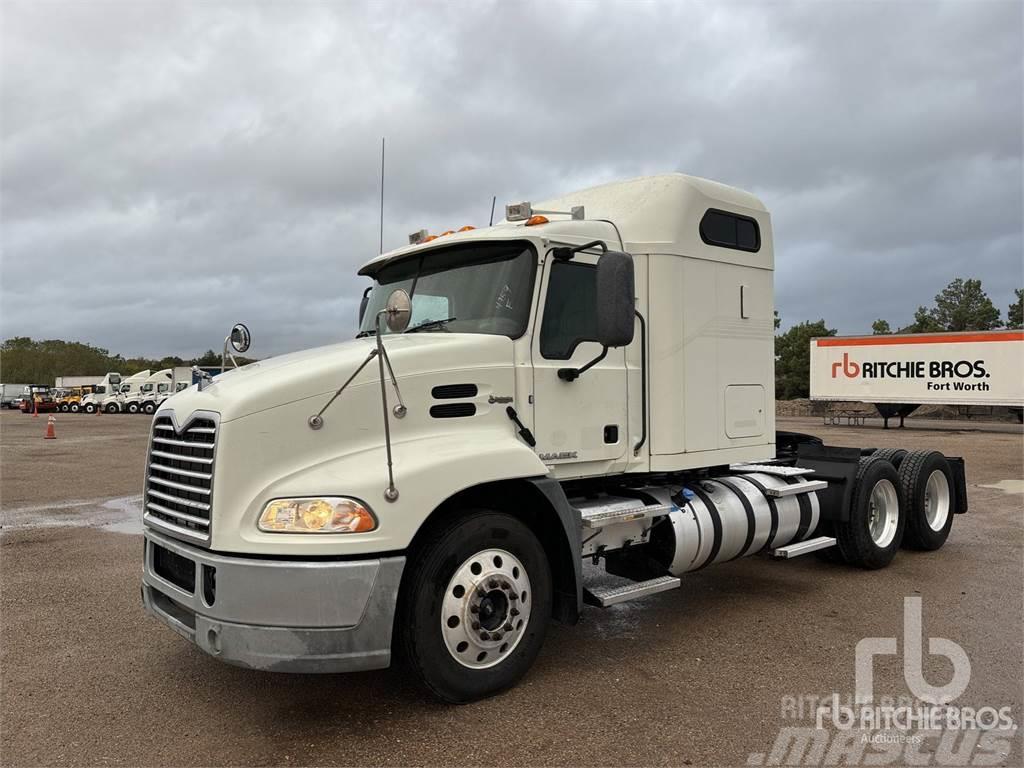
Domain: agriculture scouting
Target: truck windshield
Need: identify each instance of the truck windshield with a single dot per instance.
(477, 288)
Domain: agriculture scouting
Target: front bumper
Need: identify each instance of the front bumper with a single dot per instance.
(274, 615)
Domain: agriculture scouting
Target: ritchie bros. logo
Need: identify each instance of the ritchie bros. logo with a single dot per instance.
(956, 370)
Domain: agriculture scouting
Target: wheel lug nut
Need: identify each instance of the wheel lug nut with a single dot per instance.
(515, 611)
(497, 635)
(492, 584)
(507, 627)
(476, 625)
(474, 608)
(513, 597)
(484, 636)
(481, 593)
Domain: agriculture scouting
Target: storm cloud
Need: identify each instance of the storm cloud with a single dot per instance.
(168, 169)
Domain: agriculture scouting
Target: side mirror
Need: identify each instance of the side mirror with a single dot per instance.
(398, 311)
(615, 299)
(363, 302)
(240, 338)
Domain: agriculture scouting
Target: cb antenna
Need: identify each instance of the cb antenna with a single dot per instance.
(382, 195)
(493, 201)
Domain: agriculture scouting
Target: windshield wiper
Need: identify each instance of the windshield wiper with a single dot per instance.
(429, 324)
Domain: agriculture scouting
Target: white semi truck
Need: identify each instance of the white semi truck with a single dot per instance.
(900, 372)
(589, 380)
(126, 391)
(107, 386)
(158, 388)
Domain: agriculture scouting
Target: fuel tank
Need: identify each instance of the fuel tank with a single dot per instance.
(724, 518)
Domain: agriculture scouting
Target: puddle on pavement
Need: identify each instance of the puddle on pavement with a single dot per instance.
(1006, 486)
(118, 515)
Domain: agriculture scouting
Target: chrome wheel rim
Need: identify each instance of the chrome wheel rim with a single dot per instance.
(884, 516)
(486, 608)
(936, 500)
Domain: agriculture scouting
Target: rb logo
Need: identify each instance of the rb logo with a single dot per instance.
(850, 370)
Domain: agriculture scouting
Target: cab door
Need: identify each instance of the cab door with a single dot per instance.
(580, 426)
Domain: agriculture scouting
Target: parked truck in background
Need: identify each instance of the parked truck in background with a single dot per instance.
(108, 385)
(9, 393)
(590, 379)
(146, 392)
(898, 373)
(157, 388)
(37, 398)
(130, 385)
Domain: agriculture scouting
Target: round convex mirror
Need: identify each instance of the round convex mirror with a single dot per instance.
(240, 338)
(398, 311)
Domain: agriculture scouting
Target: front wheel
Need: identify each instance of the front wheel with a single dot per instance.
(133, 407)
(111, 408)
(474, 606)
(149, 408)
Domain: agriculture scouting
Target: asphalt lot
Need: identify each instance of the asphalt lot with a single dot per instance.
(696, 676)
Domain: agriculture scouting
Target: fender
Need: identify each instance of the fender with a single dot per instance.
(428, 470)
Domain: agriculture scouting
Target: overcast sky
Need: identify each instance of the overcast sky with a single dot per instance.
(169, 169)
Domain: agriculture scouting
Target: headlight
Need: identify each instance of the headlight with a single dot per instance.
(321, 514)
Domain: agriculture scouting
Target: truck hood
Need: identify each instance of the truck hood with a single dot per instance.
(317, 373)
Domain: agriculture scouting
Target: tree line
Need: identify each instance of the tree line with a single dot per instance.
(28, 361)
(961, 306)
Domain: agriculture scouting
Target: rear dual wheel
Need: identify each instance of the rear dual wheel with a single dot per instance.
(474, 606)
(926, 482)
(874, 531)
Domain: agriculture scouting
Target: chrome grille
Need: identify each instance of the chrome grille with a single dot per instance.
(179, 477)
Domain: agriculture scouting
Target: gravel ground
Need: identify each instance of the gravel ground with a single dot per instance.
(696, 676)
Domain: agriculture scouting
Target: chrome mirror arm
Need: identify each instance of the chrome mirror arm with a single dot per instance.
(316, 421)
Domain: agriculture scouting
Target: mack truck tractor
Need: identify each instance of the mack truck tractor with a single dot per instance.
(589, 380)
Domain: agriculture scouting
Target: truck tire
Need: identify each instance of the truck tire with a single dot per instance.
(112, 408)
(149, 408)
(870, 538)
(75, 408)
(474, 606)
(927, 485)
(133, 408)
(893, 455)
(90, 408)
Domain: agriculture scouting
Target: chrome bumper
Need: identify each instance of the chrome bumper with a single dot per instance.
(274, 615)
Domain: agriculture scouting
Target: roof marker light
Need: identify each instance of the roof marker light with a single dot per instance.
(524, 211)
(535, 220)
(466, 228)
(447, 232)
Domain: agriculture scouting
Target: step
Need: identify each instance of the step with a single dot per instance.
(602, 513)
(606, 596)
(795, 490)
(772, 469)
(802, 547)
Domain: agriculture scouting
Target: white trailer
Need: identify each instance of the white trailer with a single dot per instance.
(67, 382)
(590, 379)
(10, 392)
(898, 373)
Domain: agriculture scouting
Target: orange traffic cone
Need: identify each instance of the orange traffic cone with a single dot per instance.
(51, 432)
(35, 411)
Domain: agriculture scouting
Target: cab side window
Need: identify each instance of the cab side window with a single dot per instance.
(570, 310)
